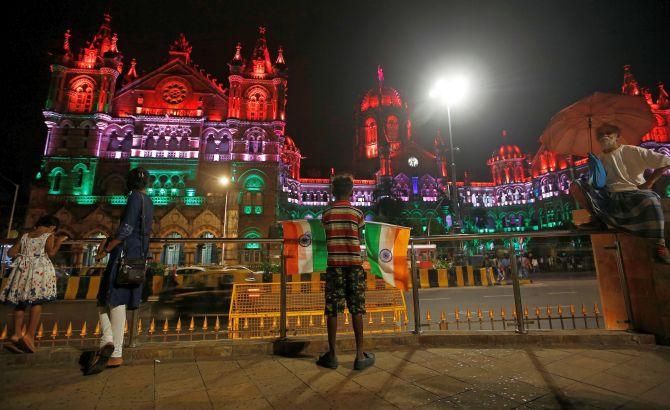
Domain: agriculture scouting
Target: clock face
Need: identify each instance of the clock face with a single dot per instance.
(413, 162)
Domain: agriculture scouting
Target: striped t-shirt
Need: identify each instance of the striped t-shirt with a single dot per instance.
(342, 222)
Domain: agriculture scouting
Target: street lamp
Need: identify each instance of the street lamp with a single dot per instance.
(224, 181)
(451, 91)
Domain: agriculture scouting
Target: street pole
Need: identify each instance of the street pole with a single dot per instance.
(225, 231)
(456, 221)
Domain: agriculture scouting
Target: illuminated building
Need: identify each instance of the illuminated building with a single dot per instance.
(188, 129)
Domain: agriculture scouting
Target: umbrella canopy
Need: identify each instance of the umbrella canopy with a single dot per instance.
(573, 130)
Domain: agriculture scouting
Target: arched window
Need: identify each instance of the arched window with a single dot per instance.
(370, 131)
(113, 142)
(251, 254)
(252, 196)
(392, 128)
(184, 144)
(127, 142)
(79, 178)
(150, 143)
(210, 146)
(56, 176)
(161, 144)
(173, 254)
(173, 145)
(81, 96)
(257, 104)
(224, 146)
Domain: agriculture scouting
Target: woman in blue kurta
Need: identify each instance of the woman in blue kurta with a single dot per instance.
(113, 299)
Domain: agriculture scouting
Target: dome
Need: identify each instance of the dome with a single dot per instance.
(390, 97)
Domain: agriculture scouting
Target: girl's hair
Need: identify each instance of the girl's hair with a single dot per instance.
(138, 178)
(47, 221)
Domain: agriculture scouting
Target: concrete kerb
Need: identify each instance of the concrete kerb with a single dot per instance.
(233, 350)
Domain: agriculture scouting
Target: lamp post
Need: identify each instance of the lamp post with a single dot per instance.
(449, 92)
(225, 182)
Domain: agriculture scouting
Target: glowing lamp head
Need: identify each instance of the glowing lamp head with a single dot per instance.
(450, 90)
(224, 180)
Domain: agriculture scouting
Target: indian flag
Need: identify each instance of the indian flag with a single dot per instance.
(304, 246)
(386, 246)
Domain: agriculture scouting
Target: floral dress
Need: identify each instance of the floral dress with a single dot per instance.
(33, 278)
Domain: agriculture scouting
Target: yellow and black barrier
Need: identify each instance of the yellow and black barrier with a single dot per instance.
(458, 276)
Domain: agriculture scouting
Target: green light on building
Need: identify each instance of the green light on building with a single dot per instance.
(247, 210)
(86, 199)
(190, 191)
(258, 210)
(118, 200)
(193, 200)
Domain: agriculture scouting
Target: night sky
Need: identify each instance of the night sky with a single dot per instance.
(525, 61)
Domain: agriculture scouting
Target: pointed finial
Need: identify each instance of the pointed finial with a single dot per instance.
(280, 56)
(238, 52)
(261, 30)
(66, 41)
(113, 47)
(504, 133)
(380, 75)
(107, 17)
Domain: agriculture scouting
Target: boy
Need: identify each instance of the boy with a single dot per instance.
(345, 277)
(627, 202)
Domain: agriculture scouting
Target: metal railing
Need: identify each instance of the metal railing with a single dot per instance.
(214, 326)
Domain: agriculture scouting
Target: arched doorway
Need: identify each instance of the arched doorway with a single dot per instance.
(173, 253)
(206, 253)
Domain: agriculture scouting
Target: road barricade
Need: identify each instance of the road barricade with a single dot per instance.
(255, 310)
(457, 276)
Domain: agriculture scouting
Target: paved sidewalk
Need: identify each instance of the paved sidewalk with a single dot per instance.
(525, 377)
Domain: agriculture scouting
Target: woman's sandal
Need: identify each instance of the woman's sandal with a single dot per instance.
(26, 346)
(326, 360)
(365, 363)
(12, 347)
(100, 362)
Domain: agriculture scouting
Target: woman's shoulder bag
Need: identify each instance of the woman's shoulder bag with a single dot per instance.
(132, 271)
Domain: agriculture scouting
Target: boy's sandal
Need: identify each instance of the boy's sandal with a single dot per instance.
(24, 345)
(365, 363)
(11, 346)
(100, 362)
(325, 360)
(114, 362)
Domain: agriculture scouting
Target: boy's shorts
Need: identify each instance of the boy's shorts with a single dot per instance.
(345, 283)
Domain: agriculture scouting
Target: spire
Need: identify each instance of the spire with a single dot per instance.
(380, 76)
(663, 99)
(131, 75)
(630, 85)
(261, 63)
(66, 42)
(504, 134)
(181, 49)
(238, 53)
(280, 56)
(113, 48)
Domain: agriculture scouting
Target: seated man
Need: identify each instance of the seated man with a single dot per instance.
(627, 202)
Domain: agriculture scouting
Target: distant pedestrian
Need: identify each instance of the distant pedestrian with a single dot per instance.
(345, 277)
(132, 241)
(32, 281)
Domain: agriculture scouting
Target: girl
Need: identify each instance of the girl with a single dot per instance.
(32, 280)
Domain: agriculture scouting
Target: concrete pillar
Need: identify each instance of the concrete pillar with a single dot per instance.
(648, 283)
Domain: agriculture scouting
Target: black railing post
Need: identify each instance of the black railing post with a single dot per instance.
(415, 290)
(282, 297)
(518, 306)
